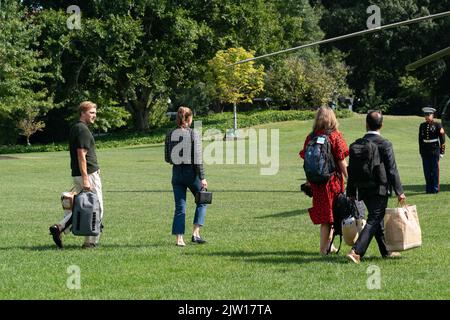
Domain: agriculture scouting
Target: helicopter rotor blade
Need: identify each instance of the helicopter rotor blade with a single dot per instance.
(350, 35)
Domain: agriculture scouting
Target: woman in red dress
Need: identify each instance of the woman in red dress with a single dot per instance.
(325, 194)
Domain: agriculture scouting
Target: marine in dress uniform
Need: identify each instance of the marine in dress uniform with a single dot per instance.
(432, 148)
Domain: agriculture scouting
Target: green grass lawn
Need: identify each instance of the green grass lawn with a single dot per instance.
(261, 242)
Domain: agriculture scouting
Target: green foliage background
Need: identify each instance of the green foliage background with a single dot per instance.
(132, 56)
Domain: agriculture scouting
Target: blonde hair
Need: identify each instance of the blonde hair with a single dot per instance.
(86, 106)
(183, 115)
(325, 120)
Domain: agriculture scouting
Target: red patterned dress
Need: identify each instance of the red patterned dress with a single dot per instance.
(325, 194)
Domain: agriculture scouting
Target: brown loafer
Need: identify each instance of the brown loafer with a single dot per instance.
(352, 256)
(393, 255)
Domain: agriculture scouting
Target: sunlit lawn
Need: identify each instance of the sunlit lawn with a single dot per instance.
(261, 242)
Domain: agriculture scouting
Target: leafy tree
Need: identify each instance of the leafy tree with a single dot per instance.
(158, 116)
(133, 53)
(413, 94)
(252, 24)
(22, 67)
(198, 97)
(322, 89)
(338, 71)
(308, 82)
(28, 125)
(300, 21)
(370, 99)
(136, 53)
(91, 63)
(109, 114)
(403, 45)
(287, 83)
(237, 83)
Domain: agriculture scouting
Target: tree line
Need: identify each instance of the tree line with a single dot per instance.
(138, 58)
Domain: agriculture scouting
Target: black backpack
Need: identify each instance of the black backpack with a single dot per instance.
(344, 208)
(319, 161)
(364, 164)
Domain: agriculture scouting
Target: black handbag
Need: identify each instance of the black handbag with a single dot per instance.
(306, 188)
(203, 197)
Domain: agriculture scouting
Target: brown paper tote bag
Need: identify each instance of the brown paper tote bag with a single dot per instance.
(402, 228)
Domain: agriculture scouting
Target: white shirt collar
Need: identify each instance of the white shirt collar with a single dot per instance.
(373, 132)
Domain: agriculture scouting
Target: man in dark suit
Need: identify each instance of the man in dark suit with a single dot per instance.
(375, 193)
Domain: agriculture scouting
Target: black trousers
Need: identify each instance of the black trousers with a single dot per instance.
(376, 205)
(431, 171)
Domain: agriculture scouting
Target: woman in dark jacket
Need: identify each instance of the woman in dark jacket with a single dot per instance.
(183, 150)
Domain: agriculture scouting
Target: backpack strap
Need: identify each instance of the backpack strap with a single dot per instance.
(340, 242)
(331, 244)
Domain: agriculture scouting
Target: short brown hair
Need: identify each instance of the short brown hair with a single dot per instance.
(86, 106)
(325, 120)
(183, 115)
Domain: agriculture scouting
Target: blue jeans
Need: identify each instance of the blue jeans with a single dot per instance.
(183, 177)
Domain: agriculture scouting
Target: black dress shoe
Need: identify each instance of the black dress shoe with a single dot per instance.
(56, 234)
(198, 239)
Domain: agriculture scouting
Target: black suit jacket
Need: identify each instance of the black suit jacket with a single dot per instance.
(387, 157)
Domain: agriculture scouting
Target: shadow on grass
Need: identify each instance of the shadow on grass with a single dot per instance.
(8, 158)
(72, 247)
(411, 189)
(218, 191)
(280, 257)
(373, 259)
(150, 146)
(295, 257)
(286, 214)
(421, 188)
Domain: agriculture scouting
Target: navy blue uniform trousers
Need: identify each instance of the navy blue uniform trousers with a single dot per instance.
(431, 172)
